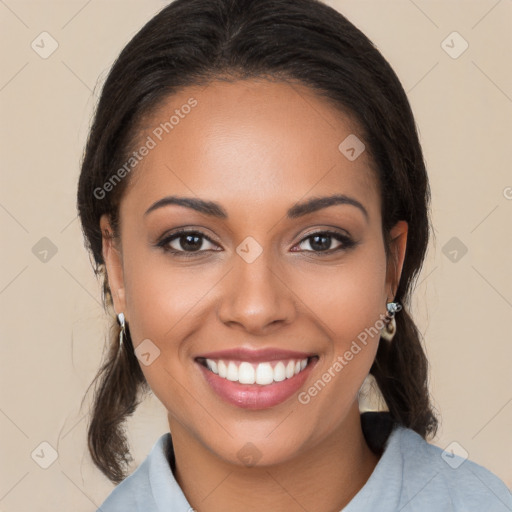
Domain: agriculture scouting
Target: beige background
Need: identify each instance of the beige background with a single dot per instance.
(53, 326)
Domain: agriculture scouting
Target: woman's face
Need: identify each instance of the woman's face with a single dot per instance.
(251, 289)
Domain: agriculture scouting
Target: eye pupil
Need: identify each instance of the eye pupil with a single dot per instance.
(192, 242)
(320, 242)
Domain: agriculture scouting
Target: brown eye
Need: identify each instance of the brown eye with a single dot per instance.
(187, 242)
(190, 242)
(323, 241)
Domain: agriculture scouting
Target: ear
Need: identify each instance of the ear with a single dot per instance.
(398, 244)
(114, 264)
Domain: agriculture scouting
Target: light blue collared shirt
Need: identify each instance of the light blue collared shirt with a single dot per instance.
(412, 475)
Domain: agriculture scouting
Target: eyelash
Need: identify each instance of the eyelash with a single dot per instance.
(347, 242)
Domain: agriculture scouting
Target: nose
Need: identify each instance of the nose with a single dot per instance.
(256, 297)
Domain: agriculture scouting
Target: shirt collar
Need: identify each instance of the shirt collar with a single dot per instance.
(386, 477)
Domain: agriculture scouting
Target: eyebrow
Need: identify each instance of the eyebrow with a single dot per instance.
(298, 210)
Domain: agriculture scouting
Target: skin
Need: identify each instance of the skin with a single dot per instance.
(256, 148)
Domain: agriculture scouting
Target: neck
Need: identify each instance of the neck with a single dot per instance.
(324, 478)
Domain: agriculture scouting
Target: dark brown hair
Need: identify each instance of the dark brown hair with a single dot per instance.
(191, 42)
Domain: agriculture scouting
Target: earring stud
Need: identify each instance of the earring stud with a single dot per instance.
(392, 308)
(389, 329)
(122, 332)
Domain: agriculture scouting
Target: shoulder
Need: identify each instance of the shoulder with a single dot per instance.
(151, 487)
(445, 481)
(134, 493)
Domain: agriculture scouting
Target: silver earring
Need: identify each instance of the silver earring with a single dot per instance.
(389, 329)
(122, 332)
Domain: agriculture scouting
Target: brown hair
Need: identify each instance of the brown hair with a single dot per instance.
(191, 42)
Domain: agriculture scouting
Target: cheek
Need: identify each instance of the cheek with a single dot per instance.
(161, 298)
(347, 298)
(166, 305)
(348, 301)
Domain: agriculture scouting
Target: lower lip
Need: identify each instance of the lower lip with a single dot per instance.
(254, 396)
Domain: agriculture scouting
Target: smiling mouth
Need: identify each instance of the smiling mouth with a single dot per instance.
(263, 373)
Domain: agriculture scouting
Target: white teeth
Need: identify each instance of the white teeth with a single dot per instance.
(223, 371)
(246, 373)
(212, 365)
(262, 373)
(279, 372)
(290, 369)
(232, 371)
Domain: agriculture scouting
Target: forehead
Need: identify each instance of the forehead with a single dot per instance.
(254, 142)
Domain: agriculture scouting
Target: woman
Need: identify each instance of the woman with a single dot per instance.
(254, 195)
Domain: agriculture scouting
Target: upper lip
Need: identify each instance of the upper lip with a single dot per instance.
(255, 356)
